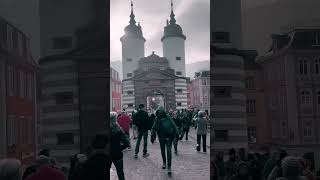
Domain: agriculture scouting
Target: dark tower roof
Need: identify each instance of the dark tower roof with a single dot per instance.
(133, 30)
(173, 29)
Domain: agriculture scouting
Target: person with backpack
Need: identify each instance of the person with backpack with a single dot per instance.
(178, 123)
(167, 132)
(141, 120)
(186, 123)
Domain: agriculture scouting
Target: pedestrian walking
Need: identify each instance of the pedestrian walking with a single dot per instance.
(167, 131)
(124, 121)
(134, 127)
(219, 162)
(76, 166)
(119, 142)
(178, 123)
(141, 120)
(231, 165)
(201, 125)
(152, 120)
(99, 160)
(186, 122)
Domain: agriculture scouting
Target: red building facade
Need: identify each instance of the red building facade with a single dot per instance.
(19, 107)
(116, 90)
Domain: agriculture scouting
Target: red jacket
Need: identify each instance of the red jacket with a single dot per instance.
(47, 173)
(124, 121)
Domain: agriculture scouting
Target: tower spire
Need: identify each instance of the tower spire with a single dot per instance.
(172, 19)
(132, 16)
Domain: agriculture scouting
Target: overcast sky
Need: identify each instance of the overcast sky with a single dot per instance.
(192, 15)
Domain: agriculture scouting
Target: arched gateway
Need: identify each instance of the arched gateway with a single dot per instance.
(154, 83)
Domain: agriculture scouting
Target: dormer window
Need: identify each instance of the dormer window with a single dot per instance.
(178, 58)
(179, 73)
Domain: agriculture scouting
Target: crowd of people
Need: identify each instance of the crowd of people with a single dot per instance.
(241, 165)
(168, 127)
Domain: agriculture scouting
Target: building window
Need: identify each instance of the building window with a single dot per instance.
(179, 91)
(62, 42)
(222, 91)
(64, 98)
(249, 83)
(17, 83)
(130, 105)
(318, 97)
(178, 58)
(307, 130)
(179, 104)
(130, 92)
(11, 81)
(303, 66)
(129, 59)
(179, 73)
(204, 82)
(221, 135)
(252, 136)
(251, 106)
(129, 74)
(305, 97)
(11, 131)
(284, 129)
(317, 66)
(221, 37)
(3, 34)
(9, 36)
(316, 39)
(24, 46)
(65, 138)
(22, 84)
(162, 68)
(15, 43)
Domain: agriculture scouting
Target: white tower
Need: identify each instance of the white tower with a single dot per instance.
(132, 47)
(173, 44)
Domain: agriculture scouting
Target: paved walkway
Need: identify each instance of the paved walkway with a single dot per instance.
(188, 165)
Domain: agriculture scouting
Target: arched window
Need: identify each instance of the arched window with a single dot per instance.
(305, 97)
(317, 66)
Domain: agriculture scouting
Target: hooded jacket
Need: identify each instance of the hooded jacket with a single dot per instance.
(124, 121)
(162, 119)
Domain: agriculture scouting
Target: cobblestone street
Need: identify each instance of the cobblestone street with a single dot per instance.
(188, 165)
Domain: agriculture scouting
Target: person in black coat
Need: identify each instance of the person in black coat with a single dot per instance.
(141, 120)
(177, 120)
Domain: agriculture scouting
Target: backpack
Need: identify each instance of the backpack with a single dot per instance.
(167, 127)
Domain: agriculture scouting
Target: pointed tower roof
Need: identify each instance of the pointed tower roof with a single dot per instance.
(133, 30)
(173, 29)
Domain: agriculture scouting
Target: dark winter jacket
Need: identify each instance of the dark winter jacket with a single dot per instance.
(97, 166)
(141, 120)
(119, 141)
(163, 120)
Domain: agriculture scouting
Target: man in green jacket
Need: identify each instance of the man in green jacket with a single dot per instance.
(167, 132)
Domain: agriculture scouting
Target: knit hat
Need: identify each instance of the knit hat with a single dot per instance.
(10, 169)
(291, 167)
